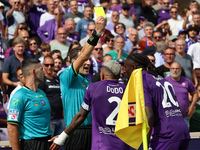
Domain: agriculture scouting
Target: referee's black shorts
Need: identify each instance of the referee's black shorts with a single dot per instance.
(80, 139)
(36, 144)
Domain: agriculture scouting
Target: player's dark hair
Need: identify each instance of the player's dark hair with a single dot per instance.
(27, 65)
(73, 54)
(142, 61)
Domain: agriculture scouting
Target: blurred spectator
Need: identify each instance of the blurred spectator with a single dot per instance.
(195, 121)
(81, 26)
(172, 41)
(197, 73)
(64, 6)
(113, 3)
(164, 13)
(74, 13)
(20, 27)
(36, 9)
(194, 52)
(120, 30)
(10, 65)
(157, 37)
(142, 20)
(50, 26)
(132, 11)
(51, 87)
(174, 22)
(192, 33)
(109, 43)
(14, 16)
(90, 29)
(45, 50)
(158, 5)
(149, 12)
(3, 115)
(57, 65)
(152, 58)
(70, 26)
(118, 50)
(49, 14)
(104, 33)
(96, 77)
(160, 48)
(115, 20)
(193, 6)
(185, 60)
(169, 56)
(22, 34)
(164, 28)
(182, 86)
(61, 44)
(182, 34)
(125, 17)
(34, 46)
(55, 53)
(2, 30)
(131, 43)
(96, 60)
(56, 2)
(148, 39)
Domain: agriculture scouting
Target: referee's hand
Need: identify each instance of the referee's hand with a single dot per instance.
(53, 146)
(100, 24)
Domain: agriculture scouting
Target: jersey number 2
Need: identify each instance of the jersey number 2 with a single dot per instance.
(110, 119)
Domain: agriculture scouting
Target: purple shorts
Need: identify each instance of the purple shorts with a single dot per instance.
(179, 145)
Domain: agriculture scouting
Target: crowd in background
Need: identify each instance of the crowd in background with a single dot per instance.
(50, 29)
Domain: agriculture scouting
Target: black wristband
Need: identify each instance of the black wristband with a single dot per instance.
(93, 40)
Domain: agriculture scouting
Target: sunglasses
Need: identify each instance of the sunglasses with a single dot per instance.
(47, 65)
(126, 9)
(173, 12)
(166, 3)
(91, 30)
(117, 27)
(32, 44)
(63, 0)
(157, 37)
(1, 7)
(16, 2)
(22, 28)
(115, 15)
(96, 49)
(110, 40)
(169, 54)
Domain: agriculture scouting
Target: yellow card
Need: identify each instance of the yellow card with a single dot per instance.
(99, 12)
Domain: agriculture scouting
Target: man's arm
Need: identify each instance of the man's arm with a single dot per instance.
(194, 78)
(75, 123)
(191, 108)
(7, 81)
(87, 49)
(13, 136)
(150, 118)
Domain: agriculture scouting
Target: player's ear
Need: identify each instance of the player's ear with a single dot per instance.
(102, 75)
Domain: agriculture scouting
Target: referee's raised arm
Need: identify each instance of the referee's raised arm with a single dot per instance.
(91, 43)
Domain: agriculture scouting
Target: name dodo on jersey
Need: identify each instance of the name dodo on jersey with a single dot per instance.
(115, 90)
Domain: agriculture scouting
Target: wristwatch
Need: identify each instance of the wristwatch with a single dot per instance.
(97, 33)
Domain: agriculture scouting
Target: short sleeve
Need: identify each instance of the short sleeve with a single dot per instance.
(6, 66)
(16, 107)
(68, 76)
(87, 99)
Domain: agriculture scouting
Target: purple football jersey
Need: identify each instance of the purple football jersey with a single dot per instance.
(104, 98)
(169, 124)
(181, 88)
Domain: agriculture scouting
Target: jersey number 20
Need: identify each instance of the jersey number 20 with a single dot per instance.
(166, 92)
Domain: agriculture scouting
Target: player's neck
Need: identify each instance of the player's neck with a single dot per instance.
(176, 79)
